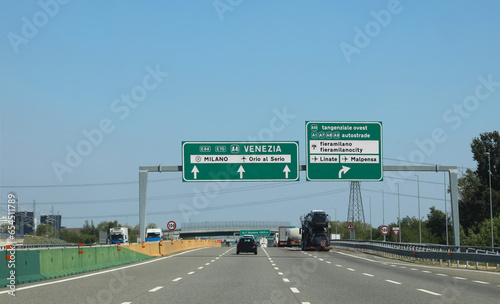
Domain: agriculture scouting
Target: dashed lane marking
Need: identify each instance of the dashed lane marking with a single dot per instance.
(393, 282)
(286, 280)
(191, 272)
(178, 279)
(368, 274)
(350, 269)
(156, 289)
(481, 282)
(294, 290)
(429, 292)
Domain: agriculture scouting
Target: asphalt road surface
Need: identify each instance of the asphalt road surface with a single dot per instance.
(274, 275)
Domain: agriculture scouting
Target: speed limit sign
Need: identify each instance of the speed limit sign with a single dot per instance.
(384, 230)
(171, 225)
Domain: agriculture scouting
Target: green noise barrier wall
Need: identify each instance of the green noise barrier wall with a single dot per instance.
(27, 267)
(37, 265)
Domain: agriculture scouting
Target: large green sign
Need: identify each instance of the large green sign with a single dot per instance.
(255, 232)
(344, 151)
(240, 161)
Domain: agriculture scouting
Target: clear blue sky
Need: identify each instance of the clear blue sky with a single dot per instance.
(223, 71)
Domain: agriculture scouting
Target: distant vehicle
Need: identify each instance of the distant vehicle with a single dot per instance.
(246, 244)
(118, 235)
(293, 237)
(154, 235)
(314, 230)
(282, 235)
(263, 242)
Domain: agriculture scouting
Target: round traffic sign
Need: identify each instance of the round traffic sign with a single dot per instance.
(171, 225)
(384, 230)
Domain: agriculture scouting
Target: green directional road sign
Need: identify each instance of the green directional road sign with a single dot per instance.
(240, 161)
(344, 151)
(255, 232)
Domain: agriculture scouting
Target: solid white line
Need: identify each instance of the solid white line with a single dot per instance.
(286, 280)
(393, 282)
(191, 272)
(429, 292)
(175, 280)
(102, 272)
(156, 289)
(294, 290)
(368, 275)
(481, 282)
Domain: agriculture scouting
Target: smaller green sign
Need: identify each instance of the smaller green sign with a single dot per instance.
(255, 232)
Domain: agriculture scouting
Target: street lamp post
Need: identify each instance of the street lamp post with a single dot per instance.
(383, 211)
(336, 224)
(399, 215)
(371, 228)
(419, 219)
(491, 202)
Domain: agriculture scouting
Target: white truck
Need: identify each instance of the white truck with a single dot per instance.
(153, 235)
(282, 235)
(118, 235)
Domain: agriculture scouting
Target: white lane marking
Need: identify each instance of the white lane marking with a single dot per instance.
(280, 273)
(403, 267)
(273, 264)
(338, 265)
(212, 261)
(217, 258)
(321, 260)
(413, 269)
(276, 268)
(350, 269)
(429, 292)
(104, 271)
(178, 279)
(393, 282)
(459, 278)
(206, 264)
(426, 271)
(394, 266)
(368, 275)
(306, 303)
(127, 303)
(294, 290)
(200, 267)
(441, 274)
(328, 262)
(481, 282)
(191, 272)
(286, 280)
(353, 256)
(156, 289)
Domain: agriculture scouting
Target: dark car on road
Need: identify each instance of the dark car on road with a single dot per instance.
(246, 244)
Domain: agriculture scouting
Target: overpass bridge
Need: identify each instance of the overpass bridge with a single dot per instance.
(222, 229)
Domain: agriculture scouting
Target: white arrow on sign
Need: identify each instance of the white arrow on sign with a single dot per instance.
(343, 170)
(286, 170)
(195, 171)
(241, 170)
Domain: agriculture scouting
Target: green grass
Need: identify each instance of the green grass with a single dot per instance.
(41, 239)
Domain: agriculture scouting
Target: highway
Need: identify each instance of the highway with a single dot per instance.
(275, 275)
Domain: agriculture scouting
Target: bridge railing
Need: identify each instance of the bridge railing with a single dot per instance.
(427, 252)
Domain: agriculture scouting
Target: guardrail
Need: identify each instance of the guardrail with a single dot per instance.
(487, 255)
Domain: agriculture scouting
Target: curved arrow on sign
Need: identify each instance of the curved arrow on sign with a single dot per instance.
(343, 170)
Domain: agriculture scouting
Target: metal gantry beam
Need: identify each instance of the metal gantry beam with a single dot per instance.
(452, 170)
